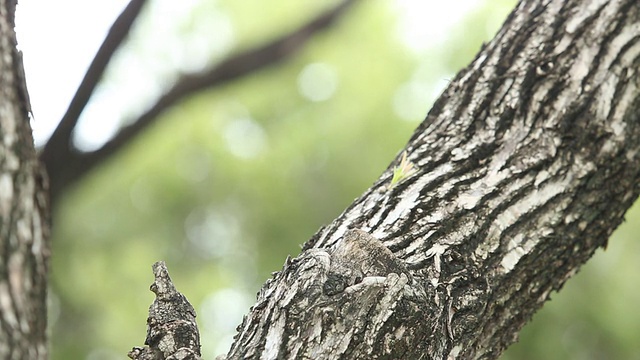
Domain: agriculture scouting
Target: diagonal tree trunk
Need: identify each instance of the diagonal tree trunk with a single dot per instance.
(24, 236)
(522, 169)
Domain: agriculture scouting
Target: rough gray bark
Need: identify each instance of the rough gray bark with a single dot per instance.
(172, 332)
(24, 247)
(524, 166)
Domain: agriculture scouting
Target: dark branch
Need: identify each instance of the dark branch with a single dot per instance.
(58, 148)
(73, 165)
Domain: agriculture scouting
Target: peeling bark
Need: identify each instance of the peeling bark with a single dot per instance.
(24, 235)
(522, 169)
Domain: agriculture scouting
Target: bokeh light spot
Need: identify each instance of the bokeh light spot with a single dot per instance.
(317, 82)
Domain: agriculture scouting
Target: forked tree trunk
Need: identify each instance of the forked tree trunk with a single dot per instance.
(24, 236)
(524, 166)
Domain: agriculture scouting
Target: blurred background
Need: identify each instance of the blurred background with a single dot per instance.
(233, 178)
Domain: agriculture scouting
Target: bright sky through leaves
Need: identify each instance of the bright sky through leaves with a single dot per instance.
(59, 39)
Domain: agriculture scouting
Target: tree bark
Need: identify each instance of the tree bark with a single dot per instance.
(172, 332)
(522, 169)
(24, 236)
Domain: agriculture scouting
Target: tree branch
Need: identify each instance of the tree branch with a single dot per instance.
(522, 169)
(59, 148)
(66, 165)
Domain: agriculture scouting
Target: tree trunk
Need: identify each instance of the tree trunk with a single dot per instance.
(522, 169)
(24, 247)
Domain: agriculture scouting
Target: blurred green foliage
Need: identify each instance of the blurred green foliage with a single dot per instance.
(231, 181)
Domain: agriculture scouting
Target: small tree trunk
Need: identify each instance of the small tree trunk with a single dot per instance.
(24, 246)
(522, 169)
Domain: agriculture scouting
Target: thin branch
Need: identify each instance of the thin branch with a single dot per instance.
(73, 165)
(59, 143)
